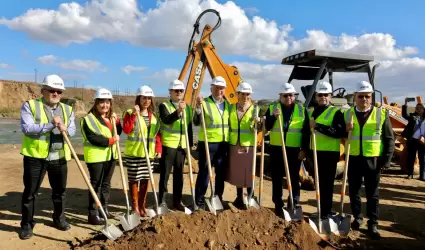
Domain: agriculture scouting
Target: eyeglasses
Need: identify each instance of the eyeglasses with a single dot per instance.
(245, 94)
(287, 95)
(364, 96)
(54, 91)
(178, 90)
(322, 95)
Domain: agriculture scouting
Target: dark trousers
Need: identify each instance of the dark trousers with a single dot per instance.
(414, 146)
(239, 193)
(277, 167)
(361, 167)
(326, 163)
(34, 172)
(172, 158)
(219, 161)
(100, 178)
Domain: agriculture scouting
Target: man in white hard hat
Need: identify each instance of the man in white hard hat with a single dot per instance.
(295, 128)
(371, 147)
(329, 125)
(216, 115)
(174, 142)
(42, 121)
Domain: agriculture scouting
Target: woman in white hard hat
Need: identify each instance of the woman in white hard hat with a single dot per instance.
(241, 139)
(135, 158)
(100, 151)
(329, 125)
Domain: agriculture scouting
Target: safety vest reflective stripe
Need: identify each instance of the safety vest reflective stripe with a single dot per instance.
(293, 130)
(240, 128)
(293, 135)
(210, 114)
(324, 142)
(378, 127)
(216, 123)
(173, 135)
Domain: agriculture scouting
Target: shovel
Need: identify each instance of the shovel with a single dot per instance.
(214, 202)
(295, 214)
(163, 209)
(249, 200)
(322, 227)
(260, 188)
(189, 161)
(111, 231)
(129, 221)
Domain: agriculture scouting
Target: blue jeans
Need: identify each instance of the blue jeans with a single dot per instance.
(218, 155)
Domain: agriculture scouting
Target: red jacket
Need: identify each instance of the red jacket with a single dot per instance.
(128, 127)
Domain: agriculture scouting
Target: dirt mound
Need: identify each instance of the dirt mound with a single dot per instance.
(249, 229)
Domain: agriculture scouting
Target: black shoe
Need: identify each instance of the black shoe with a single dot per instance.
(409, 177)
(109, 215)
(61, 225)
(95, 220)
(355, 225)
(179, 206)
(201, 206)
(238, 203)
(25, 233)
(278, 211)
(373, 232)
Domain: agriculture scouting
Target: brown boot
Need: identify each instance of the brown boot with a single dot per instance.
(143, 191)
(134, 192)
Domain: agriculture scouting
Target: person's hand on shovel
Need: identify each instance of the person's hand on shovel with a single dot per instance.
(312, 124)
(59, 124)
(349, 126)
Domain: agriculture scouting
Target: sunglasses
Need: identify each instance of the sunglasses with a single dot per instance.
(287, 95)
(322, 95)
(364, 96)
(245, 94)
(54, 91)
(178, 90)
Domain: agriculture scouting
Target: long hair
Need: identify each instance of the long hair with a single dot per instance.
(151, 108)
(96, 113)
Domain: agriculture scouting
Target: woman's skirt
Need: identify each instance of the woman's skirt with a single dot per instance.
(239, 171)
(137, 168)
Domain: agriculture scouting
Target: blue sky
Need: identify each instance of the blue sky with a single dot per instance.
(19, 53)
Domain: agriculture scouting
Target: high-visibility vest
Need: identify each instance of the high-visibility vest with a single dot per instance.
(370, 134)
(94, 153)
(241, 130)
(293, 136)
(37, 146)
(217, 124)
(324, 142)
(173, 135)
(134, 145)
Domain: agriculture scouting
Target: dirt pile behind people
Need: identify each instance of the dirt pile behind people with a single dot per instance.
(251, 229)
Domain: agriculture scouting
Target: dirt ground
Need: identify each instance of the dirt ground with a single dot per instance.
(402, 217)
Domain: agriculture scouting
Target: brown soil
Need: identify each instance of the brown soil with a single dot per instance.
(250, 229)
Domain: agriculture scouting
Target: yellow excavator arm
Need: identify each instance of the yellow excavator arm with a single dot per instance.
(202, 55)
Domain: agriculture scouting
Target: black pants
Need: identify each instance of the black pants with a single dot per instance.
(326, 163)
(100, 178)
(171, 157)
(277, 167)
(361, 167)
(414, 146)
(34, 172)
(219, 160)
(239, 193)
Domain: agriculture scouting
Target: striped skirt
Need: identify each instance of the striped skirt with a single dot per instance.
(137, 168)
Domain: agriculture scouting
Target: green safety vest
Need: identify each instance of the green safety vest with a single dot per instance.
(217, 125)
(370, 134)
(37, 146)
(293, 136)
(173, 135)
(324, 142)
(241, 130)
(134, 145)
(94, 153)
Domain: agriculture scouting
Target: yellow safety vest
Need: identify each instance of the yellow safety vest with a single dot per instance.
(173, 135)
(94, 153)
(370, 135)
(217, 125)
(241, 130)
(293, 136)
(37, 146)
(324, 142)
(134, 145)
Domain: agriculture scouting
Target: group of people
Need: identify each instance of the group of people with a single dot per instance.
(229, 129)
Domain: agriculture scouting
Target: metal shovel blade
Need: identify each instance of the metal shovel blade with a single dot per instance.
(333, 222)
(187, 210)
(129, 222)
(323, 233)
(214, 204)
(251, 202)
(150, 212)
(293, 215)
(112, 232)
(344, 225)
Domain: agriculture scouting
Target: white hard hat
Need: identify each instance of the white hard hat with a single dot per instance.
(287, 88)
(364, 87)
(102, 93)
(219, 81)
(53, 81)
(176, 84)
(324, 88)
(145, 91)
(244, 87)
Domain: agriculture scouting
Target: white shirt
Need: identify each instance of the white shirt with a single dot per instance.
(420, 132)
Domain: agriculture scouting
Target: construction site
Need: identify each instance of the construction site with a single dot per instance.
(401, 204)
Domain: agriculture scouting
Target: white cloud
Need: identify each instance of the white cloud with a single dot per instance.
(130, 68)
(5, 66)
(251, 10)
(122, 20)
(76, 64)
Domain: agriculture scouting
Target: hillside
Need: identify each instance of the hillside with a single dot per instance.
(13, 94)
